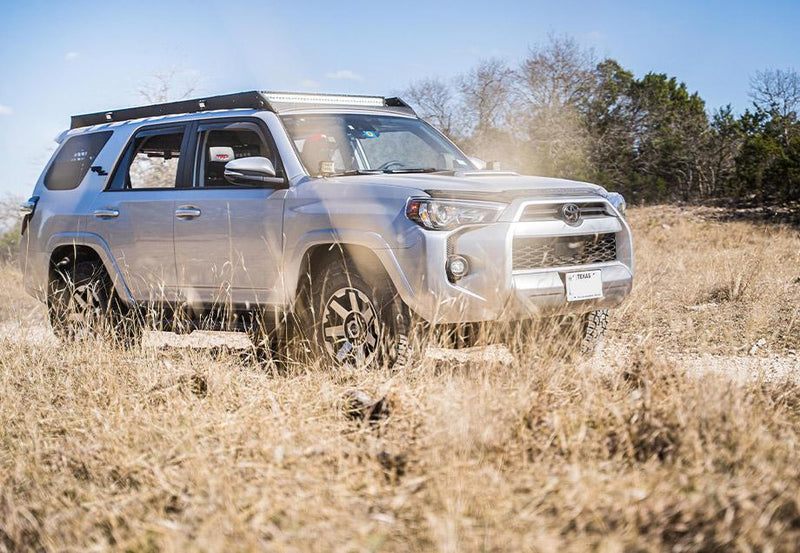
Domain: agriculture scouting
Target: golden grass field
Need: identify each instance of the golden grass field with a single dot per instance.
(683, 435)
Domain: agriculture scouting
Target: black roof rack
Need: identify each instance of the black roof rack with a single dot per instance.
(254, 99)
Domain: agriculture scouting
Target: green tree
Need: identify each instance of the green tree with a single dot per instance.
(768, 164)
(608, 115)
(670, 129)
(727, 136)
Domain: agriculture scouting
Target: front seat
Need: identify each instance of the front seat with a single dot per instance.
(316, 149)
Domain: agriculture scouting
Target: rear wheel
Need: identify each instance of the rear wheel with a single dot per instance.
(272, 343)
(83, 305)
(355, 320)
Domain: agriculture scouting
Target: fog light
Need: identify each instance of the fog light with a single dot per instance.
(457, 267)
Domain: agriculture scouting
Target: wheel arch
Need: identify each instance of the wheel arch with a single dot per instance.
(368, 260)
(318, 256)
(86, 247)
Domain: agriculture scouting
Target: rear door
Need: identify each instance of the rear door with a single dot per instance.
(135, 213)
(228, 238)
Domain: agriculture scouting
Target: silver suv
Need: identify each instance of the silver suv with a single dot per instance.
(348, 215)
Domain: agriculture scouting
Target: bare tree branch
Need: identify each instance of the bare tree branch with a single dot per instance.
(557, 74)
(485, 92)
(168, 86)
(776, 90)
(435, 102)
(9, 212)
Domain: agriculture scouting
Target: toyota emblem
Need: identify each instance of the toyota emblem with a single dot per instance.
(571, 214)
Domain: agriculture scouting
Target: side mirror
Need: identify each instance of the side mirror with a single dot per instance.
(251, 171)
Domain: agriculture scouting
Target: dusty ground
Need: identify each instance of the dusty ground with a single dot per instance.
(681, 435)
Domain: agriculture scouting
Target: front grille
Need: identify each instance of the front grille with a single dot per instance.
(548, 212)
(541, 253)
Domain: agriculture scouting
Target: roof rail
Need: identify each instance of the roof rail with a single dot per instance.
(271, 101)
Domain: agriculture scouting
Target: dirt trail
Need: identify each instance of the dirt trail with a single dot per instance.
(740, 368)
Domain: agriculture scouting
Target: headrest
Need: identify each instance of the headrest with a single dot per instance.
(221, 154)
(316, 149)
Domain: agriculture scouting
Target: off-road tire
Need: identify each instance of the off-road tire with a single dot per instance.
(566, 335)
(355, 320)
(594, 325)
(82, 305)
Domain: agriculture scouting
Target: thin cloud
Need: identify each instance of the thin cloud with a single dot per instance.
(72, 56)
(345, 75)
(309, 83)
(6, 110)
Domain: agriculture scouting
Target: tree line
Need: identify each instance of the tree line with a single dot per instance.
(560, 112)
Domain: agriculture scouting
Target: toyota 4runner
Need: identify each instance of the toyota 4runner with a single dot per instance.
(347, 214)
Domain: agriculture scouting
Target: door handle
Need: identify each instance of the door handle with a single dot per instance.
(187, 212)
(106, 213)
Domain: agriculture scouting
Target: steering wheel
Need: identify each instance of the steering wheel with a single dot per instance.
(388, 164)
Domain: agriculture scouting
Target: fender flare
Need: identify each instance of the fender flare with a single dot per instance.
(100, 247)
(343, 238)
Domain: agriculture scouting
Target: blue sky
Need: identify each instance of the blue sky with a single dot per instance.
(61, 58)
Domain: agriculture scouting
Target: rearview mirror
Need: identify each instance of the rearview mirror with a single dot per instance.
(252, 171)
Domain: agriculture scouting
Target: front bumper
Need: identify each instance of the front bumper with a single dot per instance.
(496, 291)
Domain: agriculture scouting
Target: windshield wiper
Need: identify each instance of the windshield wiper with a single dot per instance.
(415, 170)
(351, 172)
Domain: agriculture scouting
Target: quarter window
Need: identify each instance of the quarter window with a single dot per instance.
(74, 159)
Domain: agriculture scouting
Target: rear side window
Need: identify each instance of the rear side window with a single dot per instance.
(151, 161)
(74, 159)
(155, 161)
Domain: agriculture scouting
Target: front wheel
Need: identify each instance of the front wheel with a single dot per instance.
(354, 320)
(593, 332)
(562, 336)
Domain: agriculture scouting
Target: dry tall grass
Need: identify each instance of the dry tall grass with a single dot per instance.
(189, 449)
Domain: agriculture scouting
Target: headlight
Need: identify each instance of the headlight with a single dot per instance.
(449, 214)
(618, 202)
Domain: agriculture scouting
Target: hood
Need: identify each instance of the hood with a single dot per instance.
(480, 185)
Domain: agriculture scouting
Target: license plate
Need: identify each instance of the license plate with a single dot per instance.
(586, 285)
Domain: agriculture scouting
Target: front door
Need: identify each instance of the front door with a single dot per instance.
(228, 238)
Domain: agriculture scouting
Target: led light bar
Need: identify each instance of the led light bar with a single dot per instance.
(331, 99)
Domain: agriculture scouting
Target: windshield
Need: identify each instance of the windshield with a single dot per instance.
(370, 144)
